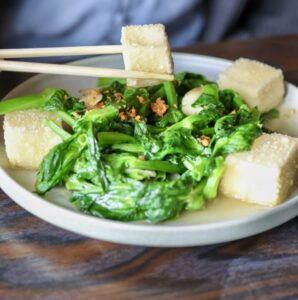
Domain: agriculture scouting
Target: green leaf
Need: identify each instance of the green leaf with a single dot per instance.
(132, 98)
(60, 100)
(58, 163)
(209, 99)
(119, 203)
(213, 179)
(172, 116)
(162, 201)
(186, 81)
(238, 140)
(101, 118)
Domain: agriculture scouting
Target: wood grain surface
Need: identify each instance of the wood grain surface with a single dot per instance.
(40, 261)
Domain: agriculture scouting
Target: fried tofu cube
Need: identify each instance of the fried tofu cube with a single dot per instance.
(259, 84)
(27, 137)
(264, 175)
(146, 48)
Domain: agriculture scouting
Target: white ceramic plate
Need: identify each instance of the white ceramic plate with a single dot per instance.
(223, 220)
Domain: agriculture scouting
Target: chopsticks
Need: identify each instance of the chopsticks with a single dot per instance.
(18, 66)
(48, 68)
(60, 51)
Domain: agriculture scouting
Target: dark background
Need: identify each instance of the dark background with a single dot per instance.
(53, 23)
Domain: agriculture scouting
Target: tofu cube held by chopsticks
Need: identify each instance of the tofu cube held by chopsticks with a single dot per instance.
(146, 48)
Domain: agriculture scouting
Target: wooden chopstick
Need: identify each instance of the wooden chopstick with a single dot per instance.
(60, 51)
(46, 68)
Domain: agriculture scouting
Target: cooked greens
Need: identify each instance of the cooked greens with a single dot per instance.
(50, 99)
(136, 156)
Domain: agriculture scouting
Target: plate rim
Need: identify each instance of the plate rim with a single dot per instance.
(7, 181)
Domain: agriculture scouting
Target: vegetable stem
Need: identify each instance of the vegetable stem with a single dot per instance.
(26, 102)
(155, 165)
(21, 103)
(170, 93)
(160, 93)
(66, 118)
(134, 148)
(109, 138)
(64, 135)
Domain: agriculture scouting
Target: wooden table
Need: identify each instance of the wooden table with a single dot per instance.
(40, 261)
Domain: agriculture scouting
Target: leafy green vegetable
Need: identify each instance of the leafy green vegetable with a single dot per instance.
(120, 203)
(240, 139)
(125, 162)
(60, 100)
(59, 162)
(171, 117)
(135, 200)
(49, 99)
(209, 99)
(100, 118)
(173, 114)
(186, 81)
(163, 201)
(137, 98)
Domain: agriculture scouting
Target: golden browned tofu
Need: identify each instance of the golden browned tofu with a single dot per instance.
(259, 84)
(27, 137)
(264, 175)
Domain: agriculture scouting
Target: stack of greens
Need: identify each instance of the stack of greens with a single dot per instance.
(123, 161)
